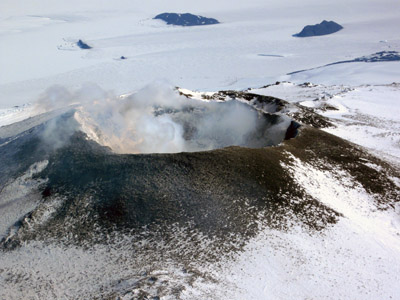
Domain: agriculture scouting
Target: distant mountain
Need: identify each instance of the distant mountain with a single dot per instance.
(185, 19)
(324, 28)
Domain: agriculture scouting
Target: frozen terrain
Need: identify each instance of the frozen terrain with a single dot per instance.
(223, 56)
(314, 217)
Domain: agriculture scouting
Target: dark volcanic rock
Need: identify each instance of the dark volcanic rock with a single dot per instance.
(292, 130)
(83, 45)
(325, 27)
(185, 19)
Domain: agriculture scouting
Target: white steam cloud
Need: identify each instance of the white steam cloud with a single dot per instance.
(159, 120)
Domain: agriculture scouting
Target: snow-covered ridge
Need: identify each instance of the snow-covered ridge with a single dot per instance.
(382, 56)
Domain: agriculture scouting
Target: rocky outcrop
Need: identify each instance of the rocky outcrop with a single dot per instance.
(324, 28)
(83, 45)
(185, 19)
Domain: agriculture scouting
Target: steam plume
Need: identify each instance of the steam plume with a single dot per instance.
(158, 120)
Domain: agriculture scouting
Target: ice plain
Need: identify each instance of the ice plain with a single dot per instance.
(224, 56)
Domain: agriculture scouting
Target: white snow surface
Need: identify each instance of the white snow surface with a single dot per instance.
(355, 74)
(369, 116)
(15, 114)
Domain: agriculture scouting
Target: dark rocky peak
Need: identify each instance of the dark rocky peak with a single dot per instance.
(185, 19)
(324, 28)
(83, 45)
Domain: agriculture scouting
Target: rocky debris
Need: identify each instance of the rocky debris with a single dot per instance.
(185, 19)
(267, 104)
(376, 57)
(380, 56)
(324, 28)
(274, 107)
(308, 116)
